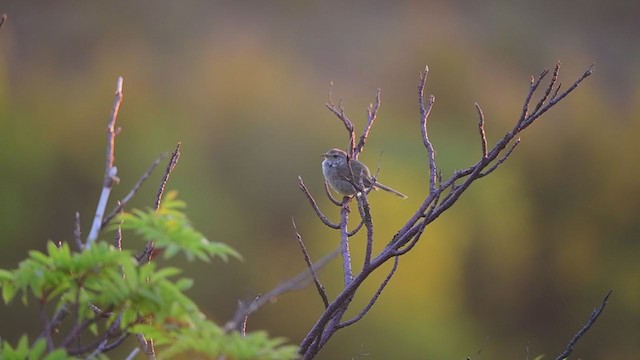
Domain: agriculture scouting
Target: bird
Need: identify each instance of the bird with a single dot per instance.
(340, 172)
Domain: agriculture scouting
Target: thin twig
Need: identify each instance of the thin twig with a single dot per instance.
(335, 201)
(373, 300)
(501, 160)
(297, 282)
(483, 135)
(133, 354)
(372, 112)
(245, 320)
(47, 326)
(148, 252)
(556, 98)
(338, 110)
(424, 119)
(122, 203)
(118, 237)
(307, 259)
(147, 347)
(356, 229)
(314, 205)
(77, 234)
(111, 172)
(547, 92)
(175, 156)
(592, 319)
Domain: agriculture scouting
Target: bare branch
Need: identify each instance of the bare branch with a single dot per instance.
(373, 300)
(330, 196)
(243, 329)
(372, 112)
(344, 241)
(424, 119)
(501, 160)
(111, 172)
(122, 203)
(356, 229)
(3, 19)
(558, 98)
(307, 259)
(554, 79)
(314, 205)
(533, 85)
(483, 135)
(592, 319)
(365, 214)
(175, 156)
(147, 347)
(338, 111)
(297, 282)
(442, 195)
(47, 327)
(555, 92)
(148, 253)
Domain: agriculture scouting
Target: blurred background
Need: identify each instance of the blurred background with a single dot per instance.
(515, 267)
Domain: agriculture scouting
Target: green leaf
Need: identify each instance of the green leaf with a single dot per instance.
(171, 231)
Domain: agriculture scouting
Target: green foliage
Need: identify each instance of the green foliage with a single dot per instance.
(35, 352)
(105, 282)
(170, 229)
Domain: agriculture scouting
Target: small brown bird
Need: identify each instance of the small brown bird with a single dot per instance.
(338, 172)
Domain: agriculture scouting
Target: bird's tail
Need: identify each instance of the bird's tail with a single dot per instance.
(388, 189)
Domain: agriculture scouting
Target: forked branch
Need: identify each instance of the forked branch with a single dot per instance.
(441, 196)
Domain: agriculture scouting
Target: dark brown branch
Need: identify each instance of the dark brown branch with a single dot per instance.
(122, 203)
(592, 319)
(147, 347)
(314, 205)
(148, 252)
(307, 259)
(3, 19)
(175, 156)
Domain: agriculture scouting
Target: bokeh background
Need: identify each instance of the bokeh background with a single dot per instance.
(515, 266)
